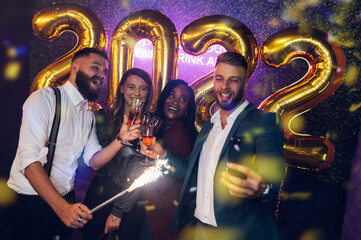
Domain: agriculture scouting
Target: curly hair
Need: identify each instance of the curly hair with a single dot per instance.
(189, 118)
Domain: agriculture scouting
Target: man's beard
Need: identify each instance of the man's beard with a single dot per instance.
(83, 83)
(234, 103)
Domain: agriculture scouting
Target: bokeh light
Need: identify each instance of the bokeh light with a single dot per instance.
(352, 75)
(303, 196)
(313, 234)
(12, 70)
(7, 196)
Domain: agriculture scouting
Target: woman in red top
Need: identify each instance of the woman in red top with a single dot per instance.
(176, 106)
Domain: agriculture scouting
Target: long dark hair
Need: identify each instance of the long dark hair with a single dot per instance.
(115, 113)
(189, 118)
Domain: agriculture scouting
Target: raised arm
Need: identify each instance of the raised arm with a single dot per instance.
(102, 157)
(177, 166)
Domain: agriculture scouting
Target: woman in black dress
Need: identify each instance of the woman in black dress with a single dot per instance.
(122, 216)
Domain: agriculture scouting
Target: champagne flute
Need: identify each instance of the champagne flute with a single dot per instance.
(134, 113)
(146, 117)
(156, 122)
(147, 135)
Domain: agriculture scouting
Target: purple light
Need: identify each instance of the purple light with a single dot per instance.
(190, 67)
(6, 42)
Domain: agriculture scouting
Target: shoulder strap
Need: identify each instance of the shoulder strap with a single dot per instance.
(54, 131)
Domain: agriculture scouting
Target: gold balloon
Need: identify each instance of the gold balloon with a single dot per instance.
(50, 22)
(160, 30)
(204, 97)
(325, 74)
(234, 36)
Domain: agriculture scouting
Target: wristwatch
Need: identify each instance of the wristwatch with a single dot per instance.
(266, 190)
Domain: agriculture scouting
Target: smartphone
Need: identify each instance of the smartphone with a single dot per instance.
(240, 153)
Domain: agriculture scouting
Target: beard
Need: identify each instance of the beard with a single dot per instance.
(83, 82)
(234, 103)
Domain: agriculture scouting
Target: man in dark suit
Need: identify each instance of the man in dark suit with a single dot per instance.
(221, 204)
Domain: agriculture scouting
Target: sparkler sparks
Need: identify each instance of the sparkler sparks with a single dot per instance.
(151, 174)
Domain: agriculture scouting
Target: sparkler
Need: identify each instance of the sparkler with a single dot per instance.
(151, 174)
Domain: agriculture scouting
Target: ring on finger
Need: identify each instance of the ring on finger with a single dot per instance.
(79, 220)
(80, 214)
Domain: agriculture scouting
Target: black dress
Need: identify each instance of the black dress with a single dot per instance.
(113, 178)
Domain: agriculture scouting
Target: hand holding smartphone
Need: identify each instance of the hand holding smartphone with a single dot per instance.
(240, 154)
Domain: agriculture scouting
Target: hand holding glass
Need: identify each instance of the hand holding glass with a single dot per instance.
(146, 117)
(148, 127)
(134, 113)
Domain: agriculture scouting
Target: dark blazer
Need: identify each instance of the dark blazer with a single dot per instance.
(262, 150)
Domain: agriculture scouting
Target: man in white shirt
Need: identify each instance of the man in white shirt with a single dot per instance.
(44, 206)
(220, 203)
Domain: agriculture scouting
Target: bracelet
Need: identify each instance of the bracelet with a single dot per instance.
(118, 138)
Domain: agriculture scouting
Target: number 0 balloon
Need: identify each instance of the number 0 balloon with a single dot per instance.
(160, 30)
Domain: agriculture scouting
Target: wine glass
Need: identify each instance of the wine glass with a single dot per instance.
(156, 122)
(148, 127)
(146, 117)
(134, 113)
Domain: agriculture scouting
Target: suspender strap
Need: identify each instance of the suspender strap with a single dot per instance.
(91, 128)
(54, 131)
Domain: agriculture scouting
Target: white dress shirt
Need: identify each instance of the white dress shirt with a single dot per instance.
(208, 161)
(73, 138)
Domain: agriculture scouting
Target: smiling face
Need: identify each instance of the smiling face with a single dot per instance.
(229, 84)
(176, 103)
(91, 72)
(134, 87)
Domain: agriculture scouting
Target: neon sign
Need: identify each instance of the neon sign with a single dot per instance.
(188, 64)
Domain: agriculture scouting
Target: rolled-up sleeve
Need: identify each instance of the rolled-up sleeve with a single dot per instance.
(34, 129)
(92, 145)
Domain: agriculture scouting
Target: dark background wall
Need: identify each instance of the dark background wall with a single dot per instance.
(15, 30)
